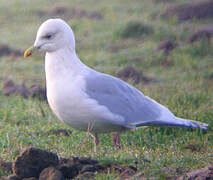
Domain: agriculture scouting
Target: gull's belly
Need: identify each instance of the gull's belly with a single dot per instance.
(72, 106)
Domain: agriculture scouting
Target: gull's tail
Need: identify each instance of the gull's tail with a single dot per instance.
(194, 124)
(176, 122)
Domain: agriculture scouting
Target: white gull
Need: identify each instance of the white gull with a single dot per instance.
(89, 100)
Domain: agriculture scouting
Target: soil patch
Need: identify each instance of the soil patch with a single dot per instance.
(136, 30)
(205, 32)
(166, 46)
(34, 163)
(68, 13)
(35, 91)
(129, 72)
(9, 87)
(190, 10)
(8, 51)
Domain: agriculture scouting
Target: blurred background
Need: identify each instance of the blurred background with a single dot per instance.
(162, 47)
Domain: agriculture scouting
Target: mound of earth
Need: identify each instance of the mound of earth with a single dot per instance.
(33, 163)
(68, 13)
(9, 87)
(35, 91)
(133, 74)
(190, 10)
(8, 51)
(166, 46)
(205, 32)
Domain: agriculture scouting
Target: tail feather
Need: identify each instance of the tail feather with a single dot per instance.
(175, 122)
(194, 124)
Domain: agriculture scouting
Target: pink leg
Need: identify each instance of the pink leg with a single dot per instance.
(95, 140)
(116, 140)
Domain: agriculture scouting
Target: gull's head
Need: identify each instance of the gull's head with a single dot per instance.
(52, 35)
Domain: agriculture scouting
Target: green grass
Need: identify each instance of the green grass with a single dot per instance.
(184, 86)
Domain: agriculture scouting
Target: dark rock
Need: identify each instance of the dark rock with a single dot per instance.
(7, 51)
(36, 91)
(87, 175)
(51, 173)
(204, 32)
(5, 166)
(69, 171)
(32, 161)
(136, 30)
(166, 46)
(131, 73)
(191, 10)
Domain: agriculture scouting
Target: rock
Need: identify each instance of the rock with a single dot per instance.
(131, 73)
(166, 46)
(5, 166)
(190, 10)
(69, 171)
(32, 161)
(51, 173)
(204, 32)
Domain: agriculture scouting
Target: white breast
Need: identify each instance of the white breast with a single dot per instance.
(68, 100)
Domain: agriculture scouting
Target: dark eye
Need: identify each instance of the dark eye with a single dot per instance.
(48, 36)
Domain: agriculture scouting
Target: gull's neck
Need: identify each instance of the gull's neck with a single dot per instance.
(64, 62)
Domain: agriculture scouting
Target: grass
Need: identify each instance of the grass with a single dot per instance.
(185, 86)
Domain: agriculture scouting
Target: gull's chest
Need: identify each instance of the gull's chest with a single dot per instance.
(66, 97)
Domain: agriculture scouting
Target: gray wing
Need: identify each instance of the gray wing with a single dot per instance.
(121, 98)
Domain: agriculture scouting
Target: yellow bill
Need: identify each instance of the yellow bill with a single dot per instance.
(29, 51)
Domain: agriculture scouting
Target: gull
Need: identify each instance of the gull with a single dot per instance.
(91, 101)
